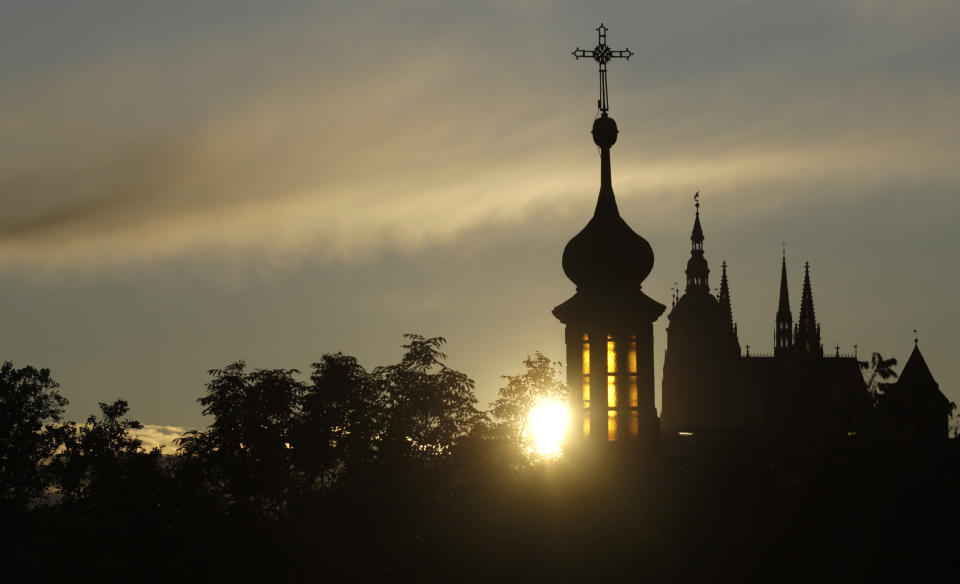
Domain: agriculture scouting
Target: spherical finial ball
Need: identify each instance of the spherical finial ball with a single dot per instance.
(604, 131)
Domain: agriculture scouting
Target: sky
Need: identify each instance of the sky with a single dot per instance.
(188, 184)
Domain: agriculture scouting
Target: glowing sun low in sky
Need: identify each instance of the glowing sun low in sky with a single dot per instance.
(546, 424)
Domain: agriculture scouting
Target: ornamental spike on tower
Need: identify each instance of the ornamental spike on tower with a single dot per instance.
(783, 331)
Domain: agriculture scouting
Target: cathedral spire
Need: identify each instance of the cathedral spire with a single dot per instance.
(697, 270)
(725, 297)
(808, 331)
(783, 332)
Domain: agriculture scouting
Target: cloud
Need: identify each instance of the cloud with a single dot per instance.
(163, 437)
(309, 138)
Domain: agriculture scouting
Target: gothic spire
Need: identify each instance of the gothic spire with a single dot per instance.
(725, 297)
(697, 270)
(725, 305)
(808, 331)
(784, 307)
(783, 331)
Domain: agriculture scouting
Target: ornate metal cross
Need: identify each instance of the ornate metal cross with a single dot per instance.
(602, 55)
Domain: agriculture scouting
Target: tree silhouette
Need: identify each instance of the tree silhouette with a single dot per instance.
(428, 405)
(98, 453)
(31, 409)
(342, 421)
(247, 452)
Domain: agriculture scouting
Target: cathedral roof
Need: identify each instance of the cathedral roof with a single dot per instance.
(697, 301)
(916, 373)
(916, 386)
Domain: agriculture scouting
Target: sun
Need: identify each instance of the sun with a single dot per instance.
(546, 424)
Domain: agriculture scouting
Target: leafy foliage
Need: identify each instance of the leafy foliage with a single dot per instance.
(881, 370)
(428, 405)
(98, 452)
(31, 409)
(247, 452)
(342, 420)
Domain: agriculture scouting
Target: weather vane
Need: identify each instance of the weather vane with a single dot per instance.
(602, 55)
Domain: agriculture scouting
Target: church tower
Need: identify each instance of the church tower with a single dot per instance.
(609, 321)
(702, 355)
(783, 333)
(807, 339)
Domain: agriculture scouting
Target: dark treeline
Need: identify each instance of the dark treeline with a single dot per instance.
(395, 475)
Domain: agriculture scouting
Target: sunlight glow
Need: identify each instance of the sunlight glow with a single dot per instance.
(546, 423)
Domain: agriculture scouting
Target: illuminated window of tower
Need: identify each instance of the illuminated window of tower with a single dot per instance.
(585, 369)
(634, 397)
(632, 356)
(611, 426)
(586, 354)
(611, 391)
(611, 355)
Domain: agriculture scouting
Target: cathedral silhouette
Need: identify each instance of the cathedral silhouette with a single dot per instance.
(715, 397)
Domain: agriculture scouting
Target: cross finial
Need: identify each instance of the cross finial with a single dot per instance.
(602, 55)
(696, 200)
(916, 339)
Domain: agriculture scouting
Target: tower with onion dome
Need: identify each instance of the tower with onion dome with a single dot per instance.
(609, 320)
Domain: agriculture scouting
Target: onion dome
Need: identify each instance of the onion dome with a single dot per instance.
(607, 254)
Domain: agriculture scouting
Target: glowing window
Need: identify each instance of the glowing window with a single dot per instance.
(634, 398)
(586, 424)
(586, 358)
(611, 391)
(632, 357)
(611, 356)
(586, 392)
(611, 426)
(634, 424)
